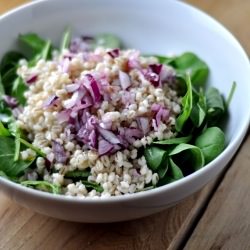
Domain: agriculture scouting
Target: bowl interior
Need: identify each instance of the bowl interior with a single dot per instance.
(160, 27)
(155, 28)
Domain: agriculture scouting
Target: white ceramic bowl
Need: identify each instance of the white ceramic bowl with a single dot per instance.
(154, 27)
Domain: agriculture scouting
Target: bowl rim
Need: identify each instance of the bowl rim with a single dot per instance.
(235, 142)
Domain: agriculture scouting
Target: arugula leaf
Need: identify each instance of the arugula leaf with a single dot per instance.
(7, 152)
(92, 185)
(43, 186)
(189, 154)
(65, 40)
(154, 156)
(211, 142)
(187, 105)
(176, 140)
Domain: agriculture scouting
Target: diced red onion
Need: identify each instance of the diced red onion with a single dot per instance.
(10, 101)
(162, 115)
(109, 136)
(65, 65)
(95, 92)
(143, 123)
(156, 68)
(114, 53)
(51, 101)
(31, 79)
(124, 80)
(59, 153)
(64, 116)
(77, 96)
(104, 147)
(93, 139)
(17, 111)
(72, 87)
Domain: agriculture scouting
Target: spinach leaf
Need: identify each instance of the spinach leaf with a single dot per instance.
(162, 170)
(211, 142)
(231, 93)
(108, 41)
(78, 174)
(92, 185)
(172, 141)
(9, 61)
(174, 171)
(37, 48)
(189, 154)
(29, 145)
(18, 89)
(187, 105)
(163, 59)
(65, 40)
(8, 78)
(5, 113)
(4, 131)
(198, 113)
(7, 163)
(154, 157)
(33, 42)
(215, 105)
(43, 186)
(189, 63)
(2, 91)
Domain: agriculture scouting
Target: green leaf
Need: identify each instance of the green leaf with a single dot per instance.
(78, 174)
(231, 93)
(18, 89)
(43, 186)
(7, 152)
(8, 78)
(187, 105)
(9, 61)
(17, 145)
(211, 142)
(4, 131)
(154, 157)
(174, 171)
(5, 113)
(163, 59)
(35, 149)
(172, 141)
(107, 40)
(2, 91)
(162, 170)
(189, 154)
(198, 113)
(92, 185)
(65, 39)
(215, 105)
(189, 63)
(33, 42)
